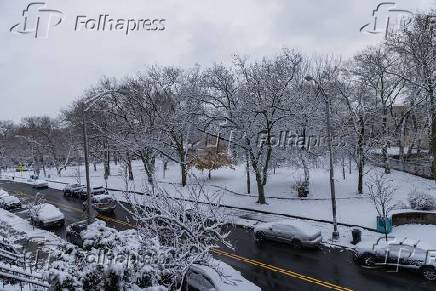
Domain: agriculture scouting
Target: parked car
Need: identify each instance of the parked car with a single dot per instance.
(73, 232)
(73, 190)
(405, 254)
(296, 234)
(46, 215)
(102, 203)
(40, 184)
(3, 193)
(204, 278)
(10, 202)
(98, 190)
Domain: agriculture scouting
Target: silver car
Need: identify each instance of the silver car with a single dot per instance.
(295, 234)
(404, 254)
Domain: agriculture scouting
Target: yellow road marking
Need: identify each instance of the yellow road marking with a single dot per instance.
(125, 223)
(288, 273)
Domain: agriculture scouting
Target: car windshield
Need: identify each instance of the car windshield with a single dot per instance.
(104, 200)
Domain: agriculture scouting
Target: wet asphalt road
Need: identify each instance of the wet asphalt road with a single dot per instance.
(271, 266)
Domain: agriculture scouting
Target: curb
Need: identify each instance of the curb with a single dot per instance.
(249, 210)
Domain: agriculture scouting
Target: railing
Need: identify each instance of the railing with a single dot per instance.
(417, 168)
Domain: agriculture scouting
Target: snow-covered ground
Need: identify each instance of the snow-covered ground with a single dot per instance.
(352, 208)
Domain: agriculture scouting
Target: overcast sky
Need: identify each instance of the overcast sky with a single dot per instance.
(41, 76)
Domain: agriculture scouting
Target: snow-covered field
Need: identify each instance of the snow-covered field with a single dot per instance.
(352, 208)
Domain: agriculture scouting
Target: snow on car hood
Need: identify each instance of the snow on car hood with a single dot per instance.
(230, 279)
(40, 182)
(3, 193)
(47, 212)
(10, 200)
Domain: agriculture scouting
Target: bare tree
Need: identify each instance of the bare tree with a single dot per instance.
(381, 192)
(186, 225)
(251, 102)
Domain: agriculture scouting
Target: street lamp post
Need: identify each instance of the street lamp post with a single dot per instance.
(85, 107)
(335, 234)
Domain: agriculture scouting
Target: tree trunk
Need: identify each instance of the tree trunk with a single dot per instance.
(164, 168)
(43, 166)
(433, 140)
(183, 173)
(401, 143)
(107, 169)
(260, 189)
(129, 167)
(386, 143)
(148, 163)
(343, 167)
(360, 159)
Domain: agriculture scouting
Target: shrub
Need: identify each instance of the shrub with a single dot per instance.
(421, 201)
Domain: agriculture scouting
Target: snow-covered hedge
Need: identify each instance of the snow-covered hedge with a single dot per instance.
(421, 201)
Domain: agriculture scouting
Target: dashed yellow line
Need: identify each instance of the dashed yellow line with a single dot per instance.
(106, 218)
(272, 268)
(288, 273)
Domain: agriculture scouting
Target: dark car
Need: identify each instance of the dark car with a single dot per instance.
(73, 190)
(102, 203)
(73, 232)
(400, 254)
(10, 202)
(99, 190)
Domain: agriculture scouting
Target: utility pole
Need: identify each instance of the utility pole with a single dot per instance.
(335, 234)
(88, 184)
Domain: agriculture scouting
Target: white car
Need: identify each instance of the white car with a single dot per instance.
(295, 233)
(46, 215)
(3, 193)
(10, 202)
(200, 277)
(404, 254)
(40, 184)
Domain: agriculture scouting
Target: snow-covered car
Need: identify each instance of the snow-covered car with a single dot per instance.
(3, 193)
(40, 184)
(73, 232)
(200, 277)
(10, 202)
(294, 233)
(102, 203)
(46, 215)
(98, 190)
(73, 190)
(404, 254)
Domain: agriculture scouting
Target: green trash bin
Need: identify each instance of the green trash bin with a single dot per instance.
(381, 227)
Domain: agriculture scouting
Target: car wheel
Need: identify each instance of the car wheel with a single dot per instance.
(296, 243)
(259, 237)
(367, 260)
(429, 273)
